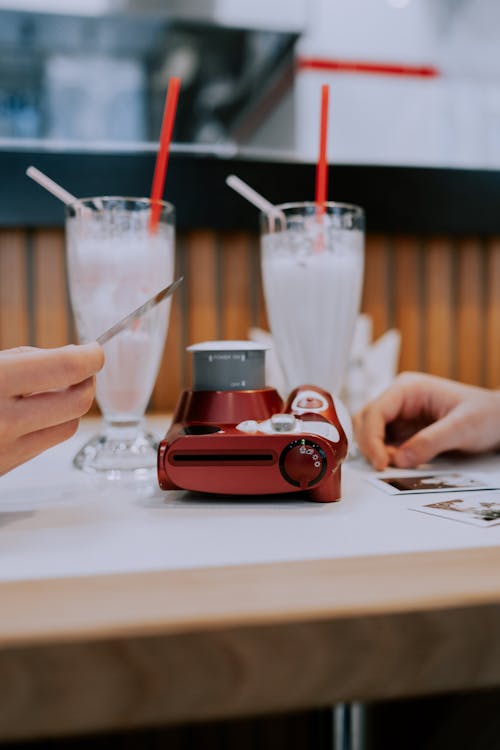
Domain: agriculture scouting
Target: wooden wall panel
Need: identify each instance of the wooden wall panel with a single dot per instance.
(51, 306)
(439, 318)
(260, 311)
(171, 375)
(235, 282)
(470, 330)
(202, 285)
(202, 282)
(262, 319)
(257, 303)
(443, 294)
(492, 339)
(170, 379)
(408, 312)
(14, 289)
(377, 292)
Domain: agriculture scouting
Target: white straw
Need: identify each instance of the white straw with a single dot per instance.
(51, 186)
(250, 194)
(258, 200)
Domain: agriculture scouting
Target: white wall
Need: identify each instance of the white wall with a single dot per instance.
(79, 7)
(388, 119)
(373, 120)
(370, 30)
(449, 120)
(265, 14)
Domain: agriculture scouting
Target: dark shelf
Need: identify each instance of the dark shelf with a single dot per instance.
(396, 199)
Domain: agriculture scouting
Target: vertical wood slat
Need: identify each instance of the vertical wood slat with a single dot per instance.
(444, 296)
(439, 323)
(236, 278)
(408, 313)
(261, 318)
(51, 319)
(202, 285)
(377, 297)
(14, 309)
(170, 379)
(469, 334)
(202, 290)
(492, 338)
(258, 313)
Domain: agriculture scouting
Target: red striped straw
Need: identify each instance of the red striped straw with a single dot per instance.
(322, 165)
(167, 127)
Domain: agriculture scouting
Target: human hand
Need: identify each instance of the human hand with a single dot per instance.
(43, 393)
(422, 415)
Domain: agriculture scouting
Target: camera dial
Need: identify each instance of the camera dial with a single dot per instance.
(303, 463)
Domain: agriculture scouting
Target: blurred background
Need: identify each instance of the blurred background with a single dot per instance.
(413, 82)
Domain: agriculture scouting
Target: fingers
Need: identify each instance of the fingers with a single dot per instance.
(43, 393)
(29, 446)
(370, 423)
(17, 350)
(31, 413)
(463, 428)
(369, 429)
(37, 370)
(414, 401)
(438, 437)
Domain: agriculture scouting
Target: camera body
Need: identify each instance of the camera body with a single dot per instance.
(244, 441)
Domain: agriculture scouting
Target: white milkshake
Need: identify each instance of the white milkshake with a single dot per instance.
(109, 278)
(312, 279)
(115, 263)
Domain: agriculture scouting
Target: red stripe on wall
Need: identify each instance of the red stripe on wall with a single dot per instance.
(354, 66)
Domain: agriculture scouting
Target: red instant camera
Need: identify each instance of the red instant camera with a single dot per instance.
(230, 435)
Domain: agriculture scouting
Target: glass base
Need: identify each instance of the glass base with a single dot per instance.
(118, 456)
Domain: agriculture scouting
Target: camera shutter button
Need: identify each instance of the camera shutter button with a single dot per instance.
(283, 422)
(303, 463)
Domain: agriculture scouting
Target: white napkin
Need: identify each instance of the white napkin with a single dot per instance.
(371, 369)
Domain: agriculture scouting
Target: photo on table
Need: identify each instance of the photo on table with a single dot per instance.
(438, 482)
(478, 510)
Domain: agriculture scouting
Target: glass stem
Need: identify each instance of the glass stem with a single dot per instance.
(122, 430)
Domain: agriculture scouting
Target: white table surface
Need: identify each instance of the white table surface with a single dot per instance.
(57, 522)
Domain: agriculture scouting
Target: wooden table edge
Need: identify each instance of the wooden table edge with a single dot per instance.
(150, 603)
(106, 653)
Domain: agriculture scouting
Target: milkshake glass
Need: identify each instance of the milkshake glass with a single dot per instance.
(312, 269)
(115, 263)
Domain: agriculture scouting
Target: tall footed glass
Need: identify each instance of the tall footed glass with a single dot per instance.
(312, 268)
(115, 263)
